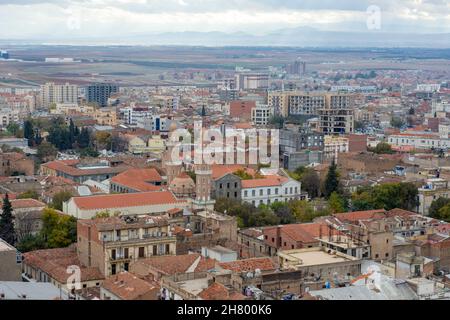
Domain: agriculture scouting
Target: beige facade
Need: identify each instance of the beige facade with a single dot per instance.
(112, 244)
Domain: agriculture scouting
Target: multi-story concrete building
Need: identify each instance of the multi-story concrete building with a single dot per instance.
(261, 115)
(111, 244)
(99, 93)
(58, 93)
(250, 80)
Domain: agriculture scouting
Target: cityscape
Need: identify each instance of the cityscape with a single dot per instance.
(209, 152)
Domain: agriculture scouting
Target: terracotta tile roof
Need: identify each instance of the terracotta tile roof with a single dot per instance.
(219, 170)
(301, 232)
(267, 181)
(139, 179)
(217, 291)
(360, 215)
(26, 203)
(170, 265)
(54, 262)
(400, 213)
(127, 286)
(264, 264)
(125, 200)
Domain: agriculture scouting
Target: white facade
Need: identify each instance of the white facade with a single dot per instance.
(57, 93)
(261, 114)
(421, 141)
(284, 192)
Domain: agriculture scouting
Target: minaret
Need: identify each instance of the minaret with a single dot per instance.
(203, 187)
(172, 163)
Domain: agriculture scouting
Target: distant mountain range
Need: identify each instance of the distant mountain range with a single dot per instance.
(296, 37)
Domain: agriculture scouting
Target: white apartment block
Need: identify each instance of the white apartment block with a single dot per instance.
(58, 93)
(419, 140)
(269, 190)
(261, 114)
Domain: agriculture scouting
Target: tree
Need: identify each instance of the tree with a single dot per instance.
(283, 212)
(31, 242)
(58, 230)
(84, 138)
(28, 132)
(383, 148)
(387, 196)
(436, 206)
(7, 232)
(13, 128)
(336, 203)
(277, 121)
(59, 198)
(331, 181)
(444, 213)
(397, 122)
(30, 194)
(46, 152)
(311, 183)
(103, 140)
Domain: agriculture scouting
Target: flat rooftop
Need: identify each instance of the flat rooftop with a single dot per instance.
(313, 256)
(194, 286)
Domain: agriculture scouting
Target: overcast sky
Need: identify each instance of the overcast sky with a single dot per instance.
(35, 19)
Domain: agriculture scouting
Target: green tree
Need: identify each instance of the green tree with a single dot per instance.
(59, 198)
(336, 203)
(436, 206)
(58, 230)
(388, 196)
(311, 183)
(28, 132)
(31, 243)
(46, 152)
(331, 181)
(103, 140)
(7, 232)
(13, 128)
(30, 194)
(444, 213)
(243, 174)
(383, 148)
(397, 122)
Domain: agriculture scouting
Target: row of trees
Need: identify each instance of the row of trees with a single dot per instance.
(269, 215)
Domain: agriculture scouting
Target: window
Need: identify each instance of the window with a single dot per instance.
(245, 193)
(167, 248)
(125, 253)
(113, 268)
(126, 266)
(235, 185)
(276, 190)
(268, 192)
(141, 252)
(273, 239)
(228, 185)
(113, 254)
(261, 192)
(155, 250)
(253, 193)
(220, 186)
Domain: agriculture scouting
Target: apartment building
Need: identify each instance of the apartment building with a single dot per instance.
(261, 114)
(433, 189)
(270, 189)
(335, 110)
(58, 93)
(112, 244)
(419, 140)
